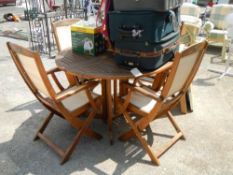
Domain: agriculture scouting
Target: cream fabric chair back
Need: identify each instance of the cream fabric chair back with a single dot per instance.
(183, 71)
(62, 33)
(32, 70)
(185, 67)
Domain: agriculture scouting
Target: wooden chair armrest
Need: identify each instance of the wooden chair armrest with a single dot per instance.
(53, 70)
(55, 79)
(146, 81)
(162, 69)
(148, 93)
(143, 91)
(74, 90)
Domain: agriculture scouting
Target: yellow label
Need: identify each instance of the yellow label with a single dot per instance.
(90, 30)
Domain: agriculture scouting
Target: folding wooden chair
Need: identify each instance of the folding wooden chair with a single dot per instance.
(151, 105)
(68, 104)
(62, 35)
(156, 81)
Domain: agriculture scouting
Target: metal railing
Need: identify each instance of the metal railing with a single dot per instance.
(40, 18)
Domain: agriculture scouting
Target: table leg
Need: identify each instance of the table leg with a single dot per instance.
(108, 96)
(104, 100)
(186, 103)
(123, 90)
(115, 95)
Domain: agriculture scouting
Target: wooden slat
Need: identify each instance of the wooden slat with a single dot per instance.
(77, 138)
(58, 150)
(85, 66)
(183, 105)
(44, 125)
(147, 148)
(126, 136)
(164, 148)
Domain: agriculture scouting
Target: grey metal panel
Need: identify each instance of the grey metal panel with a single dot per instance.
(156, 5)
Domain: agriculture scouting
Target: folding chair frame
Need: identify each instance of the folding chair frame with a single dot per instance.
(54, 102)
(163, 105)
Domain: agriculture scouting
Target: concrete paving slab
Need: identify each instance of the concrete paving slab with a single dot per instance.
(7, 166)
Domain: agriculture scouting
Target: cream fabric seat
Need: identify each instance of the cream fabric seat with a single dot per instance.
(218, 35)
(71, 103)
(77, 100)
(143, 102)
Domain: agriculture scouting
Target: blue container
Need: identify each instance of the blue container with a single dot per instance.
(143, 26)
(130, 54)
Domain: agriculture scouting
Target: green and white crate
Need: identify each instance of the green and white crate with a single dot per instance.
(87, 40)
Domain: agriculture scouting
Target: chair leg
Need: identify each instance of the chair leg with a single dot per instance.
(44, 125)
(154, 157)
(175, 138)
(183, 105)
(76, 140)
(93, 134)
(67, 153)
(224, 49)
(147, 148)
(174, 124)
(126, 136)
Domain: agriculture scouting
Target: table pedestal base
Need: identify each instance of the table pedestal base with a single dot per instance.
(107, 106)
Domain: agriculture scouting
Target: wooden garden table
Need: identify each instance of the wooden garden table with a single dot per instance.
(100, 67)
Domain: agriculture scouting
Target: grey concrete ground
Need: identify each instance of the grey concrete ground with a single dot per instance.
(207, 150)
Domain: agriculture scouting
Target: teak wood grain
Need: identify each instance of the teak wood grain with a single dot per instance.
(85, 66)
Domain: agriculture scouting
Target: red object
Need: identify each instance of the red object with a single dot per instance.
(5, 2)
(210, 3)
(102, 15)
(51, 3)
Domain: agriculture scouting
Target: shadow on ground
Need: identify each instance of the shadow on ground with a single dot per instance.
(37, 158)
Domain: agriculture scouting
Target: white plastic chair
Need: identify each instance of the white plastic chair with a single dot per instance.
(229, 41)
